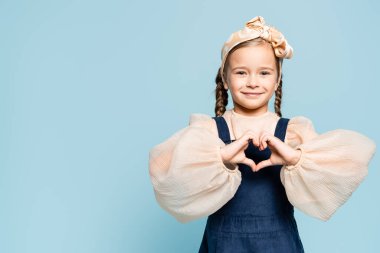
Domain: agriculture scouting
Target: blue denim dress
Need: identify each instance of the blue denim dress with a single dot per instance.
(259, 218)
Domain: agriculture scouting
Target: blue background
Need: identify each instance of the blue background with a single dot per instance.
(87, 88)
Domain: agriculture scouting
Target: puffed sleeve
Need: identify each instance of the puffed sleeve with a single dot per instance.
(331, 167)
(188, 175)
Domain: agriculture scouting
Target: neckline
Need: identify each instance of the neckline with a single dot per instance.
(250, 117)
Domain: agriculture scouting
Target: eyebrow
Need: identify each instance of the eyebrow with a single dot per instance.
(244, 67)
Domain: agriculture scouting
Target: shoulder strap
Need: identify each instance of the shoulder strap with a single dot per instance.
(223, 131)
(281, 127)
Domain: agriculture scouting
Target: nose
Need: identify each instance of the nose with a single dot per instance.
(251, 81)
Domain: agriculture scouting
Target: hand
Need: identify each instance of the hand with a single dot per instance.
(234, 152)
(282, 154)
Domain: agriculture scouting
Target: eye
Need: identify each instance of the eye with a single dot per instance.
(240, 72)
(264, 73)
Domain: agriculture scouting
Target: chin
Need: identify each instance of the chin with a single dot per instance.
(252, 105)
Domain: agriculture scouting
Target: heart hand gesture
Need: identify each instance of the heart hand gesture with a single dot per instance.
(281, 153)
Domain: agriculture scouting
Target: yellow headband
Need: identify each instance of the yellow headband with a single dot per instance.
(253, 29)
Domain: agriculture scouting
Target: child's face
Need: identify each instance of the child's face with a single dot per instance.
(251, 76)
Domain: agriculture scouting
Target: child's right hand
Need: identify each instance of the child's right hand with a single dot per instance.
(233, 153)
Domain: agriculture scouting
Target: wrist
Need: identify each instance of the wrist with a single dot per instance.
(296, 158)
(227, 164)
(299, 162)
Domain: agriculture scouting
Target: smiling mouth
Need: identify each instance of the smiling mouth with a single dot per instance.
(252, 93)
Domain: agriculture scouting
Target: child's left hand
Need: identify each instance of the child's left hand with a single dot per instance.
(282, 154)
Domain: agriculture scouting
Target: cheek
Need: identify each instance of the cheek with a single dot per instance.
(237, 82)
(235, 86)
(269, 85)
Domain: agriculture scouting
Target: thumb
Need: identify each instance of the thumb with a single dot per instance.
(263, 164)
(250, 163)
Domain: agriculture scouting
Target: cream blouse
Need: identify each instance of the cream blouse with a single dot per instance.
(191, 181)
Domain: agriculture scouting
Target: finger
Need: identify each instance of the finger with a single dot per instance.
(250, 163)
(251, 136)
(263, 164)
(241, 142)
(269, 139)
(261, 147)
(264, 138)
(255, 140)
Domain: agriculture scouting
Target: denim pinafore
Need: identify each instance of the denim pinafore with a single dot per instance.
(259, 218)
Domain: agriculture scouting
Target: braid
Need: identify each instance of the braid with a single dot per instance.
(277, 102)
(221, 96)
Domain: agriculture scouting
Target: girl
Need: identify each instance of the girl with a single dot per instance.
(246, 168)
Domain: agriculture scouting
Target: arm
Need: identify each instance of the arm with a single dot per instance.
(188, 175)
(331, 166)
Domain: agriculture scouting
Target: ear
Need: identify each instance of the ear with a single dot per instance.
(276, 86)
(225, 85)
